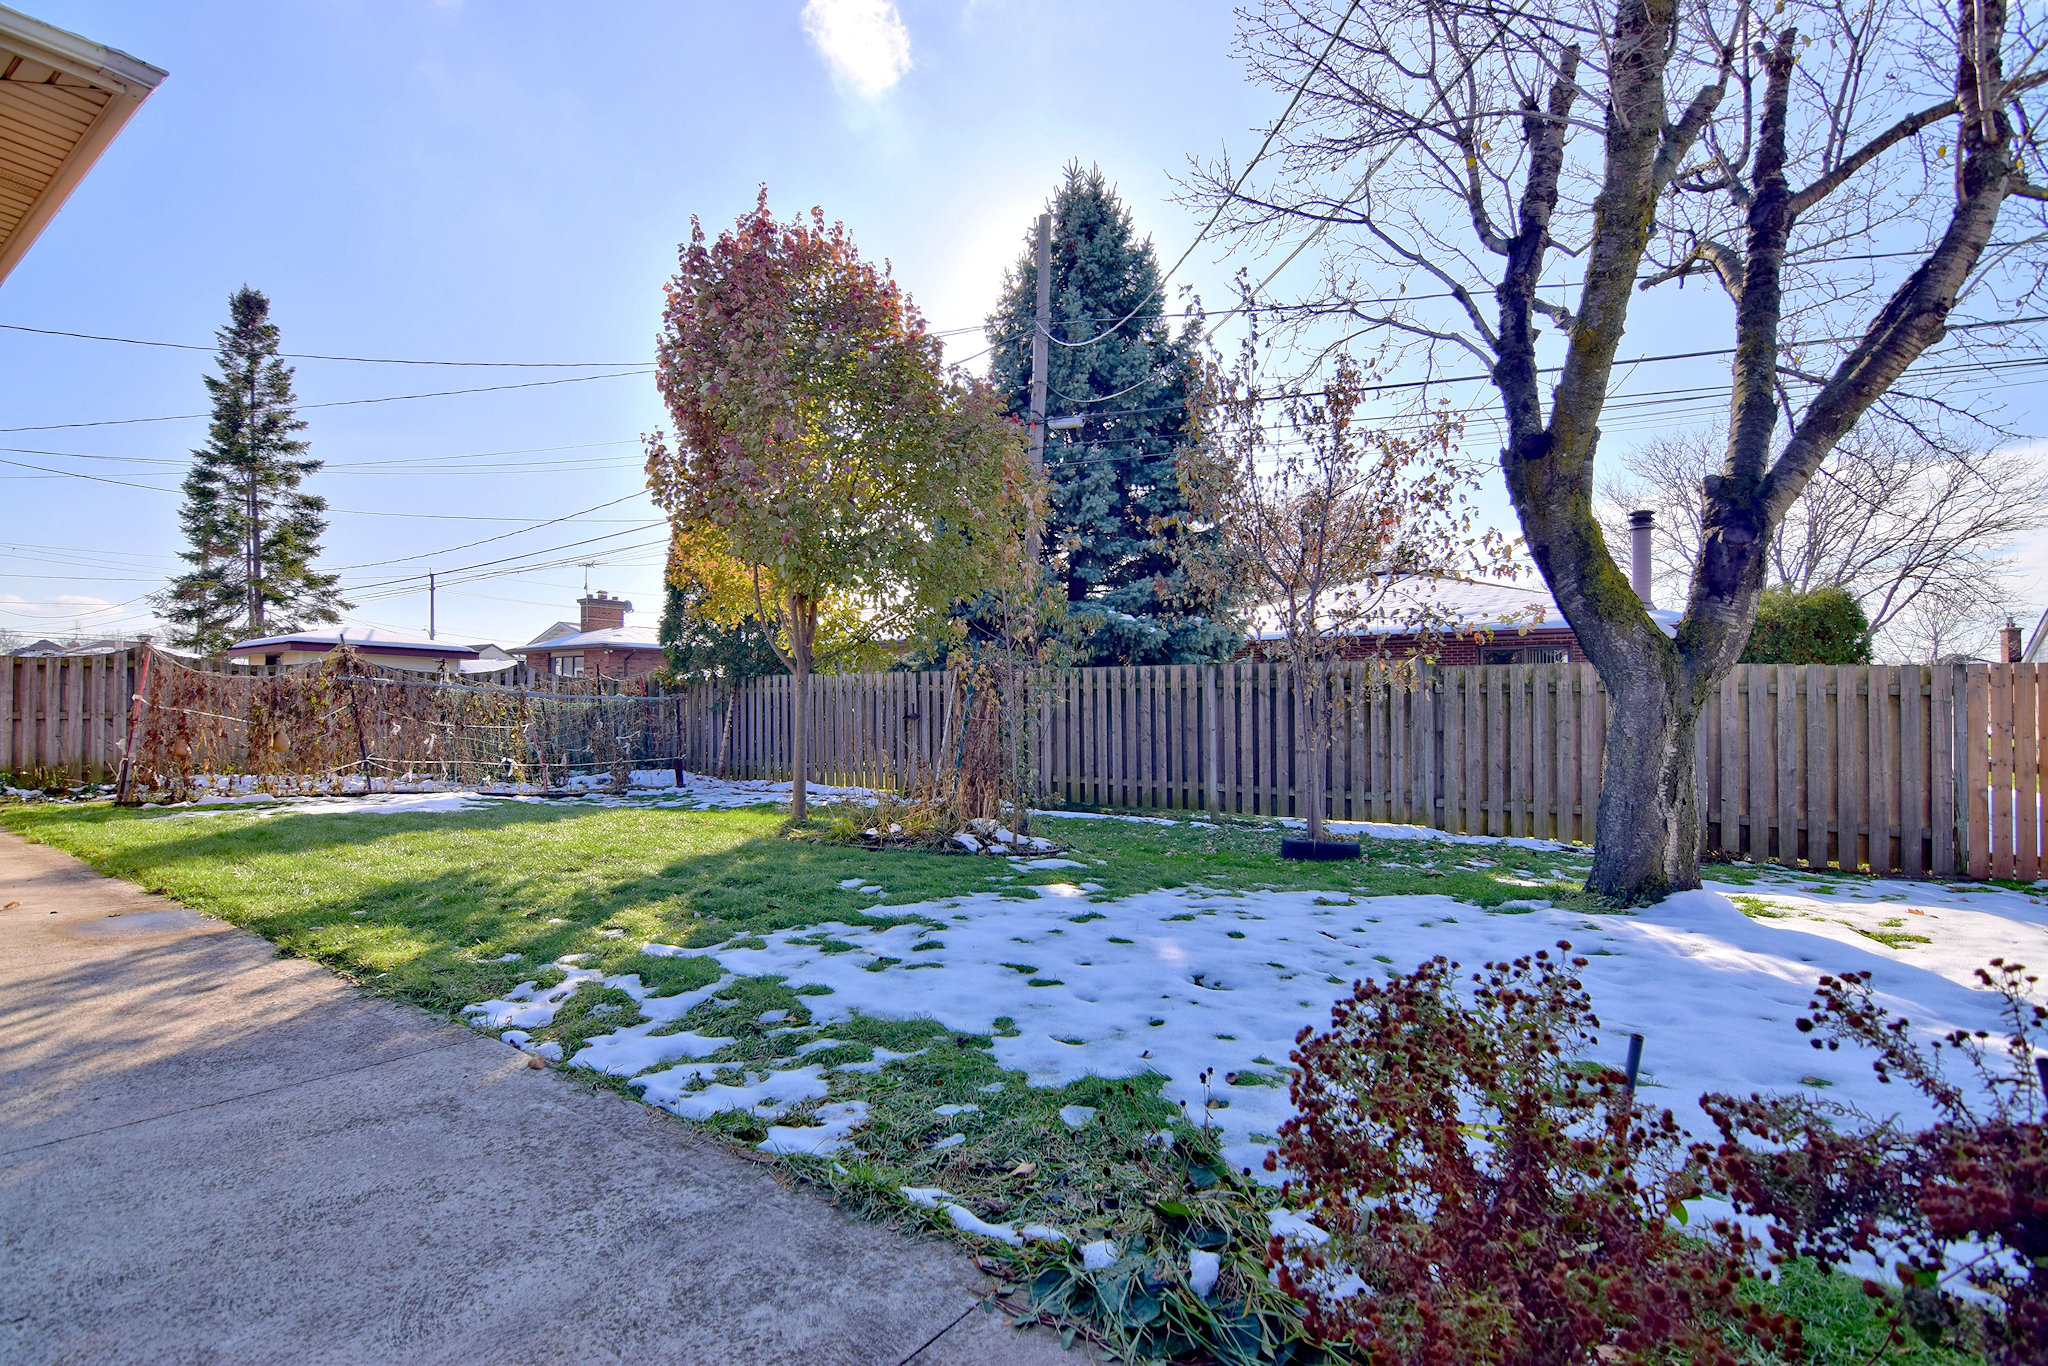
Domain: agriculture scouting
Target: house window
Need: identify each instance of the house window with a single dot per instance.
(566, 666)
(1526, 654)
(272, 661)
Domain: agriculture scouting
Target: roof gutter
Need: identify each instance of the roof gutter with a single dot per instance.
(127, 80)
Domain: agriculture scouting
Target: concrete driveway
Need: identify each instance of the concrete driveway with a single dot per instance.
(212, 1154)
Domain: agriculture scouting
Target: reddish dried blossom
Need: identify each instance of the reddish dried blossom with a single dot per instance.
(1501, 1200)
(1962, 1203)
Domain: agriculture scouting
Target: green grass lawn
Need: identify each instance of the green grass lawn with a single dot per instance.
(416, 905)
(421, 906)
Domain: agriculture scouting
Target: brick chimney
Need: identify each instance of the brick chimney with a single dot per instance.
(2010, 650)
(602, 612)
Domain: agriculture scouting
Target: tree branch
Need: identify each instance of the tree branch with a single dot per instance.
(1909, 126)
(1723, 260)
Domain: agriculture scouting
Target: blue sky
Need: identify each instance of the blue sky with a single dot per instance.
(507, 181)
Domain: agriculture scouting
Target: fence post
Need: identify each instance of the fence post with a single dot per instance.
(8, 665)
(1975, 818)
(124, 785)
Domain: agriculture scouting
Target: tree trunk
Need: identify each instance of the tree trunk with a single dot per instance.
(1310, 749)
(1649, 844)
(732, 700)
(799, 734)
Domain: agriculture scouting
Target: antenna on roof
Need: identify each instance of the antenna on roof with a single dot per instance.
(586, 577)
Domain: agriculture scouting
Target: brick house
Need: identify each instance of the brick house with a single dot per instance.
(1481, 621)
(598, 644)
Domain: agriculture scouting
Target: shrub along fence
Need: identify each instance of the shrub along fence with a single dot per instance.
(1854, 767)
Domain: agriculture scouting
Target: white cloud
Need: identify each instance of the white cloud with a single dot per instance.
(864, 40)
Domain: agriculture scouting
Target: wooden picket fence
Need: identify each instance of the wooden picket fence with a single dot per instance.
(65, 715)
(1861, 767)
(1858, 767)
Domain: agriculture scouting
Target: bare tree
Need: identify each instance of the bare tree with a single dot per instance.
(1918, 532)
(1324, 524)
(1478, 169)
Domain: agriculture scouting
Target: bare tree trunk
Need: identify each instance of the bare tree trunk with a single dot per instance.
(732, 700)
(1308, 716)
(1649, 841)
(800, 737)
(802, 614)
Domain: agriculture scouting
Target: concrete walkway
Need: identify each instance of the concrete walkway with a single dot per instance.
(212, 1154)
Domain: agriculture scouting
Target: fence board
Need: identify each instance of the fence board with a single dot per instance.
(1850, 735)
(1976, 769)
(2002, 690)
(1914, 757)
(1819, 768)
(2034, 762)
(9, 747)
(1878, 798)
(1759, 794)
(2026, 766)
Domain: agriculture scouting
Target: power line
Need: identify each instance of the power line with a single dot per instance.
(506, 559)
(530, 524)
(339, 403)
(362, 360)
(503, 535)
(1300, 90)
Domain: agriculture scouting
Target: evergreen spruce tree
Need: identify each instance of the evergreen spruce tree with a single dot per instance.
(1114, 480)
(252, 534)
(699, 649)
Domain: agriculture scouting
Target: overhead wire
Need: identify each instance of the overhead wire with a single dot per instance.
(341, 402)
(503, 535)
(1300, 89)
(309, 355)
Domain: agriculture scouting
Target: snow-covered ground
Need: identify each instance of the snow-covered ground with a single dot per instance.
(1190, 980)
(649, 787)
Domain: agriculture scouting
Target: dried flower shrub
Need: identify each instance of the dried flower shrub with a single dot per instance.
(1499, 1199)
(1962, 1204)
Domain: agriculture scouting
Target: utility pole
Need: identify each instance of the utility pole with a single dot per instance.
(1041, 330)
(430, 604)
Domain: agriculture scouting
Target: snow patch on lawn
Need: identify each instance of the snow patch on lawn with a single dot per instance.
(830, 1132)
(371, 804)
(1186, 981)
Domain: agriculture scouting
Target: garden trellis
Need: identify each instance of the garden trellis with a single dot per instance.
(345, 724)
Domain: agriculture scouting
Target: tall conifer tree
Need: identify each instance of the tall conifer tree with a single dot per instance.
(252, 534)
(1114, 481)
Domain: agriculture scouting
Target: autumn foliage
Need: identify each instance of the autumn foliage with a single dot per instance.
(1489, 1200)
(821, 447)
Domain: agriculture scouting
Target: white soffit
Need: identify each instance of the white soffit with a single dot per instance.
(62, 101)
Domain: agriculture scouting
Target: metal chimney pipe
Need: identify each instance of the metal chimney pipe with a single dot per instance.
(1639, 523)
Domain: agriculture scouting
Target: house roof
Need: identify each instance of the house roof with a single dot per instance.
(555, 632)
(62, 101)
(371, 640)
(611, 638)
(1457, 604)
(106, 645)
